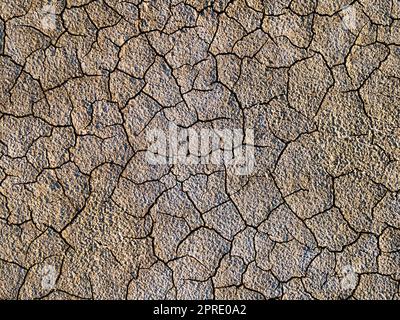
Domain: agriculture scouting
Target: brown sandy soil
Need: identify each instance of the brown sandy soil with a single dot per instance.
(84, 214)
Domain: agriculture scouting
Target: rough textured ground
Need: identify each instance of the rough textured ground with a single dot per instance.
(84, 215)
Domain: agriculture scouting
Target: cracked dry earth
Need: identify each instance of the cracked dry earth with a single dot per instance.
(83, 214)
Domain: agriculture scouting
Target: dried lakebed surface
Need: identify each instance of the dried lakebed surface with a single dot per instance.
(84, 214)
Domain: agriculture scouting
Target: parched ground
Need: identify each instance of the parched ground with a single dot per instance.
(84, 215)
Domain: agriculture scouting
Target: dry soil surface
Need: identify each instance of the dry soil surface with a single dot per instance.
(83, 214)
